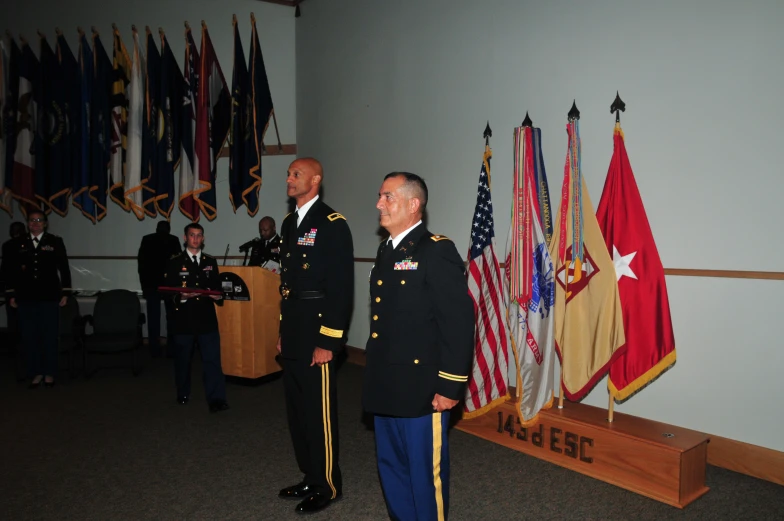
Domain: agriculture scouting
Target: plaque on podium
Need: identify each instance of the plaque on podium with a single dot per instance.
(249, 327)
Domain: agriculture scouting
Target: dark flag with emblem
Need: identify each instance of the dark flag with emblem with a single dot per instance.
(23, 172)
(260, 112)
(488, 381)
(213, 117)
(71, 81)
(650, 342)
(150, 125)
(52, 186)
(121, 74)
(81, 176)
(189, 165)
(5, 128)
(170, 129)
(238, 138)
(100, 127)
(588, 320)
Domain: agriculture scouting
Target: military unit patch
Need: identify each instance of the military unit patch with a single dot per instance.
(309, 239)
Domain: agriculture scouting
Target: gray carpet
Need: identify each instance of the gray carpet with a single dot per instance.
(118, 447)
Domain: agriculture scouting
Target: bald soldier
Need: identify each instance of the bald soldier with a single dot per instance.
(317, 286)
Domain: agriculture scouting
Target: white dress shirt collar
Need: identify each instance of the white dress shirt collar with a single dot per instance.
(397, 240)
(304, 210)
(190, 255)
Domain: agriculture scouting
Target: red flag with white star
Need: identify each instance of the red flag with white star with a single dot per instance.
(650, 343)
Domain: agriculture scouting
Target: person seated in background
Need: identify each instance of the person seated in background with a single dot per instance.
(16, 230)
(154, 253)
(267, 246)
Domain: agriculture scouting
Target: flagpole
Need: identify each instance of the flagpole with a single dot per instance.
(610, 409)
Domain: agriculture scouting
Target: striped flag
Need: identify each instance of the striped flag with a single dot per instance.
(121, 73)
(487, 385)
(23, 172)
(133, 166)
(189, 167)
(531, 281)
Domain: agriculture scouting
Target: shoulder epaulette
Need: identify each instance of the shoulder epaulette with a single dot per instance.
(287, 216)
(335, 216)
(437, 238)
(207, 255)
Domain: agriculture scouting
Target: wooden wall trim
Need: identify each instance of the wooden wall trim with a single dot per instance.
(745, 458)
(679, 272)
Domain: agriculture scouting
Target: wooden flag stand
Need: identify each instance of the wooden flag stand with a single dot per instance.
(656, 460)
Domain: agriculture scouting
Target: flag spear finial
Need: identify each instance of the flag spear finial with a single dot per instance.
(114, 27)
(187, 26)
(41, 35)
(617, 106)
(80, 31)
(488, 132)
(234, 19)
(57, 31)
(253, 18)
(94, 30)
(573, 112)
(527, 121)
(22, 39)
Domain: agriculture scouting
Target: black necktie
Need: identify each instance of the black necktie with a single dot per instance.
(389, 249)
(195, 261)
(35, 241)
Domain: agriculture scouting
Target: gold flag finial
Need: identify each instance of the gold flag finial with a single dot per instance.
(133, 29)
(95, 31)
(22, 39)
(57, 31)
(114, 27)
(253, 18)
(187, 26)
(203, 24)
(41, 35)
(147, 30)
(80, 31)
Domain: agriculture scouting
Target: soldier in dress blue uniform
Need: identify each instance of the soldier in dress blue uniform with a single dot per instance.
(39, 279)
(194, 319)
(317, 286)
(419, 352)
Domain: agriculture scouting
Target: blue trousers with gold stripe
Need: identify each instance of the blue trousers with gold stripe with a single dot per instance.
(413, 462)
(312, 410)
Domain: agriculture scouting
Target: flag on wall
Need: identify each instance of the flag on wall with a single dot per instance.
(531, 283)
(100, 126)
(261, 112)
(213, 117)
(650, 343)
(133, 161)
(189, 168)
(169, 142)
(588, 319)
(52, 185)
(73, 128)
(488, 383)
(240, 132)
(121, 74)
(5, 111)
(23, 172)
(81, 177)
(150, 124)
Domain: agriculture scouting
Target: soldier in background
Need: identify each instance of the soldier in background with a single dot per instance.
(154, 253)
(267, 246)
(194, 320)
(39, 279)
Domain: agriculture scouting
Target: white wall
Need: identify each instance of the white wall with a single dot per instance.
(119, 233)
(409, 85)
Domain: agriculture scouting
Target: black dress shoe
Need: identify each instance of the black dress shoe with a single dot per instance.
(49, 384)
(315, 503)
(219, 406)
(182, 400)
(298, 491)
(33, 385)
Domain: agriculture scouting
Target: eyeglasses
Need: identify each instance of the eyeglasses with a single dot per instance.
(36, 220)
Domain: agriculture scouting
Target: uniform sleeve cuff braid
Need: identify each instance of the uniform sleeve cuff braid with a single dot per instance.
(333, 333)
(453, 377)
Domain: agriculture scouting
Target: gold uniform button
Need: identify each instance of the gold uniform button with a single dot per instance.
(375, 317)
(319, 315)
(378, 299)
(380, 282)
(304, 254)
(403, 282)
(374, 335)
(416, 361)
(288, 255)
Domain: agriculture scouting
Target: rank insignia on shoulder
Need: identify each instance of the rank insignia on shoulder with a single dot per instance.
(335, 216)
(437, 238)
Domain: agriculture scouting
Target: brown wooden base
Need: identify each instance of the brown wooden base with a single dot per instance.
(656, 460)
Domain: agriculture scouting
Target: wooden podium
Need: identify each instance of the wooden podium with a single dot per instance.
(249, 329)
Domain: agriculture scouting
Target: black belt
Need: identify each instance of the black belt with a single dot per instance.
(287, 293)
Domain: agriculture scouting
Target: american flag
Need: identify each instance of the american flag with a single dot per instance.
(487, 385)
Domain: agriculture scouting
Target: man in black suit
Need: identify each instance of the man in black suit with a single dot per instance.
(16, 230)
(38, 282)
(317, 286)
(194, 320)
(154, 254)
(419, 352)
(267, 246)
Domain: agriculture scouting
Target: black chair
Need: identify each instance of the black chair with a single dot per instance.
(71, 337)
(117, 323)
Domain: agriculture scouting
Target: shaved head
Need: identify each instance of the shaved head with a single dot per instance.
(303, 179)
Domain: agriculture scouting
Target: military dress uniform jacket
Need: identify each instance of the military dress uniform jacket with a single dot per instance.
(317, 258)
(264, 251)
(421, 329)
(153, 258)
(195, 315)
(40, 273)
